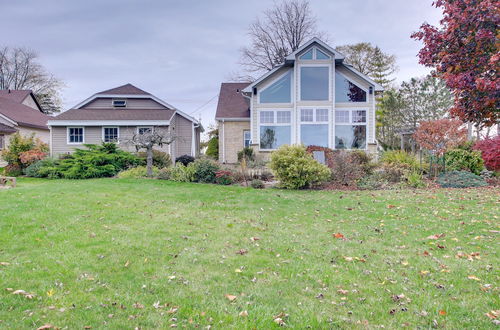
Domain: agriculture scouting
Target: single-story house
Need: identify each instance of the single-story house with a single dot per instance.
(115, 115)
(312, 98)
(21, 112)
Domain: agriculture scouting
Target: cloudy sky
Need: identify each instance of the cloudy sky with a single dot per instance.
(181, 50)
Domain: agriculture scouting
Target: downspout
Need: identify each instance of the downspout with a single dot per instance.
(223, 143)
(193, 140)
(50, 141)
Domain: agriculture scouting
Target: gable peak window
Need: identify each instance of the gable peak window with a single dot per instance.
(315, 53)
(347, 91)
(119, 103)
(279, 91)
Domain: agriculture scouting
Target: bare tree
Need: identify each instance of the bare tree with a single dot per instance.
(20, 69)
(148, 139)
(281, 31)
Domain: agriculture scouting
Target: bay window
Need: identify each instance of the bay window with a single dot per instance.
(314, 127)
(275, 128)
(350, 129)
(314, 83)
(346, 91)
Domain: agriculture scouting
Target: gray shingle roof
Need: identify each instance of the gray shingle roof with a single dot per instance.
(115, 114)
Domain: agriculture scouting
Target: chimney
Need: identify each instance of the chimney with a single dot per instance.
(8, 91)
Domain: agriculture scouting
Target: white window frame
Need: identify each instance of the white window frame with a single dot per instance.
(2, 141)
(314, 55)
(315, 122)
(75, 143)
(271, 82)
(330, 83)
(351, 123)
(275, 123)
(139, 127)
(245, 131)
(367, 91)
(120, 100)
(117, 133)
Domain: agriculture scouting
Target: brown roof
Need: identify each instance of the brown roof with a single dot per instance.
(7, 129)
(15, 95)
(22, 114)
(127, 89)
(115, 114)
(232, 104)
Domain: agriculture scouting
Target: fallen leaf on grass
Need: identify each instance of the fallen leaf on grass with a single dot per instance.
(238, 270)
(127, 263)
(137, 305)
(47, 326)
(280, 319)
(242, 251)
(243, 314)
(493, 314)
(4, 263)
(50, 293)
(24, 293)
(436, 236)
(390, 206)
(253, 239)
(338, 235)
(442, 312)
(172, 310)
(230, 297)
(472, 277)
(344, 292)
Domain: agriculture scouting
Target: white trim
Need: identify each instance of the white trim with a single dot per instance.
(271, 82)
(9, 120)
(75, 143)
(109, 122)
(378, 88)
(350, 123)
(117, 133)
(223, 143)
(113, 100)
(232, 119)
(366, 90)
(274, 123)
(299, 82)
(193, 141)
(315, 122)
(249, 88)
(314, 55)
(337, 54)
(250, 138)
(50, 141)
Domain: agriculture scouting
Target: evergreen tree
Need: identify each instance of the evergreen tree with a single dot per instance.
(381, 66)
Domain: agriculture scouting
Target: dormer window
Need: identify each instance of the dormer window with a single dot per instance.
(119, 103)
(314, 54)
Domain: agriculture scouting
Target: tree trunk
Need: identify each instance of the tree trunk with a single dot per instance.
(149, 161)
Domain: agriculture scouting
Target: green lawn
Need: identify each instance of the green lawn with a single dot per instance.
(147, 253)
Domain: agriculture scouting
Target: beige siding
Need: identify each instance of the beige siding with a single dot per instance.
(42, 134)
(231, 140)
(106, 103)
(184, 136)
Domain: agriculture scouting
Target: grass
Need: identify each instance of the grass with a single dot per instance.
(124, 253)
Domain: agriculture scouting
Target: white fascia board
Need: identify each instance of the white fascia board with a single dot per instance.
(9, 120)
(378, 87)
(109, 122)
(232, 119)
(338, 55)
(249, 88)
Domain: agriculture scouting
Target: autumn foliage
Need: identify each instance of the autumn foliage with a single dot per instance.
(490, 151)
(440, 135)
(464, 51)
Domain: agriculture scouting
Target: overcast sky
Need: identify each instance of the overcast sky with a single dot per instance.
(181, 50)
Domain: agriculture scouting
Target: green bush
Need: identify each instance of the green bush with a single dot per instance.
(213, 147)
(22, 152)
(414, 179)
(296, 169)
(181, 173)
(164, 173)
(39, 168)
(137, 172)
(160, 159)
(460, 179)
(364, 160)
(205, 170)
(464, 160)
(399, 157)
(374, 181)
(246, 153)
(257, 184)
(13, 170)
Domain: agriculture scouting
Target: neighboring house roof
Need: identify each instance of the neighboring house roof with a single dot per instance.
(19, 95)
(22, 115)
(114, 114)
(232, 103)
(290, 60)
(7, 129)
(127, 89)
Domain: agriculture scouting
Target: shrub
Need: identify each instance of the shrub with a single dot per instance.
(395, 172)
(224, 177)
(39, 169)
(490, 152)
(399, 157)
(441, 134)
(160, 159)
(460, 179)
(345, 168)
(164, 173)
(246, 153)
(377, 180)
(23, 151)
(137, 172)
(414, 179)
(97, 161)
(257, 184)
(31, 156)
(296, 169)
(184, 160)
(363, 159)
(181, 173)
(213, 147)
(205, 170)
(464, 160)
(13, 170)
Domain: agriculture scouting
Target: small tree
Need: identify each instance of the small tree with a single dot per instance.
(157, 136)
(213, 143)
(440, 135)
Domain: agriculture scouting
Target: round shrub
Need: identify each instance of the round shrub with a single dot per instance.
(460, 179)
(213, 147)
(296, 169)
(464, 160)
(38, 169)
(137, 172)
(224, 177)
(205, 170)
(257, 184)
(490, 151)
(13, 170)
(160, 159)
(181, 173)
(184, 160)
(247, 154)
(399, 157)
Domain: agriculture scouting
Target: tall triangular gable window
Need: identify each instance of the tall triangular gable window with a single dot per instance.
(279, 91)
(314, 53)
(346, 91)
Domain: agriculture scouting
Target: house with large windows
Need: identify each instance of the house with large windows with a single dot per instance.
(313, 98)
(116, 115)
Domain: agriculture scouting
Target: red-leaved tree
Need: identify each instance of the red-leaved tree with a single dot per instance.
(440, 135)
(464, 50)
(490, 151)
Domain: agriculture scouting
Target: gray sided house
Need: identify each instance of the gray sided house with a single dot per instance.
(313, 98)
(115, 115)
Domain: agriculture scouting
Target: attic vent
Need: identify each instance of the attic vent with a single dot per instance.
(119, 103)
